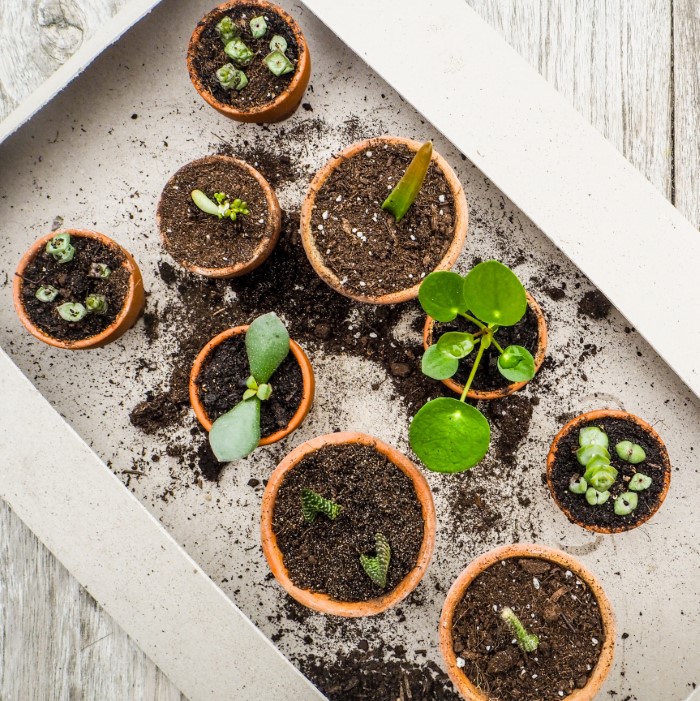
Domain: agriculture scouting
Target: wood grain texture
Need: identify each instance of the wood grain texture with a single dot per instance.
(55, 638)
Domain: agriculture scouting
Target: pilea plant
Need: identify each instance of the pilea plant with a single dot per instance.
(377, 567)
(448, 434)
(527, 642)
(600, 475)
(223, 208)
(236, 434)
(404, 194)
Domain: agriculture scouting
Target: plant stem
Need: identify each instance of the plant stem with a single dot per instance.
(482, 347)
(474, 320)
(498, 348)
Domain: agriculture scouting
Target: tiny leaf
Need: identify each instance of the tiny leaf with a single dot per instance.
(456, 343)
(494, 294)
(588, 452)
(267, 345)
(592, 435)
(404, 194)
(312, 504)
(204, 203)
(630, 452)
(625, 504)
(377, 567)
(640, 482)
(236, 434)
(441, 295)
(437, 364)
(278, 64)
(516, 364)
(578, 485)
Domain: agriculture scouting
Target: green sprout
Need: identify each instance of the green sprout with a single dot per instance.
(278, 64)
(640, 482)
(236, 434)
(222, 208)
(630, 452)
(404, 194)
(61, 248)
(593, 435)
(578, 485)
(447, 434)
(626, 503)
(101, 271)
(96, 304)
(262, 392)
(258, 27)
(278, 43)
(312, 504)
(376, 568)
(231, 78)
(72, 311)
(593, 454)
(46, 293)
(238, 52)
(527, 642)
(227, 30)
(595, 498)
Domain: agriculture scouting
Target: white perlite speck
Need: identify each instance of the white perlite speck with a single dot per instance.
(324, 216)
(535, 582)
(320, 227)
(460, 662)
(339, 198)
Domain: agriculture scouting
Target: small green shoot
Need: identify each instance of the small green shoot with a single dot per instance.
(527, 642)
(96, 304)
(595, 498)
(278, 43)
(263, 392)
(239, 52)
(278, 64)
(312, 504)
(223, 208)
(61, 248)
(227, 30)
(377, 567)
(639, 482)
(231, 78)
(630, 452)
(100, 271)
(72, 311)
(46, 293)
(578, 484)
(626, 503)
(258, 27)
(404, 194)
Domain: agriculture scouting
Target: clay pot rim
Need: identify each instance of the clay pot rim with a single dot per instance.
(520, 550)
(272, 231)
(323, 602)
(542, 341)
(302, 73)
(307, 236)
(597, 415)
(307, 376)
(91, 341)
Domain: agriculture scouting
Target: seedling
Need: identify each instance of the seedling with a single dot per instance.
(61, 248)
(236, 434)
(100, 271)
(231, 78)
(630, 452)
(527, 642)
(96, 304)
(278, 64)
(239, 52)
(595, 498)
(639, 482)
(404, 194)
(227, 30)
(46, 293)
(72, 311)
(258, 27)
(447, 434)
(377, 567)
(312, 504)
(222, 208)
(278, 43)
(626, 503)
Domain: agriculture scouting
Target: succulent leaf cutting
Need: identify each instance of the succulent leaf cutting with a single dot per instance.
(527, 642)
(223, 208)
(312, 504)
(377, 567)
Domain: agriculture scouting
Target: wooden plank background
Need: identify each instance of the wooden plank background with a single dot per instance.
(631, 67)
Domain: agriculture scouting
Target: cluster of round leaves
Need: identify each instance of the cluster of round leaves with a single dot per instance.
(447, 434)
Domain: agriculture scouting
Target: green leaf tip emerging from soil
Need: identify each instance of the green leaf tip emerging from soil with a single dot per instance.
(404, 194)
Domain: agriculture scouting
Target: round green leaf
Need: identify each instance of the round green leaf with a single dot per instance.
(438, 365)
(441, 295)
(237, 433)
(267, 345)
(494, 294)
(516, 364)
(449, 435)
(456, 343)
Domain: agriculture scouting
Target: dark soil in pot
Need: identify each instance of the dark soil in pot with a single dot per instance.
(263, 86)
(488, 377)
(361, 243)
(203, 239)
(222, 383)
(603, 515)
(553, 604)
(74, 285)
(376, 496)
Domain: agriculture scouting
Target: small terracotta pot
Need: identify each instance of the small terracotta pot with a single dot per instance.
(286, 103)
(465, 687)
(131, 310)
(593, 416)
(272, 231)
(323, 602)
(307, 376)
(509, 389)
(307, 234)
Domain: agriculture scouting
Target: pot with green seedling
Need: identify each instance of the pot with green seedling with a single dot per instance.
(488, 325)
(382, 215)
(251, 386)
(249, 60)
(348, 525)
(78, 289)
(608, 471)
(527, 622)
(219, 217)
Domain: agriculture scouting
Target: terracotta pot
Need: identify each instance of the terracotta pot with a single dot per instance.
(272, 232)
(323, 602)
(592, 416)
(307, 235)
(307, 376)
(509, 389)
(131, 311)
(286, 103)
(465, 687)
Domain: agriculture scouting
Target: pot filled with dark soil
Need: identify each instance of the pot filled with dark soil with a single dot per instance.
(608, 471)
(219, 217)
(530, 333)
(249, 60)
(348, 525)
(217, 382)
(78, 289)
(358, 247)
(530, 623)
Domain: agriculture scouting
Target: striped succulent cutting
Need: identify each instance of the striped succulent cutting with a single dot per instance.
(312, 504)
(377, 567)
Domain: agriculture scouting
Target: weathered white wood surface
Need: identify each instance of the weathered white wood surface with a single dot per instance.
(630, 67)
